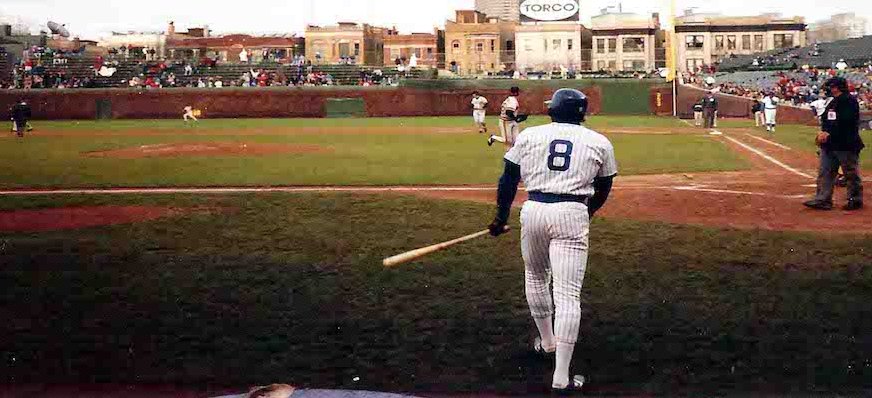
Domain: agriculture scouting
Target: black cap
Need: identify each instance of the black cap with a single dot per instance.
(515, 90)
(838, 82)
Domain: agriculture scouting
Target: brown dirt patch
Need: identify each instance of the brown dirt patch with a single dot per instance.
(66, 218)
(206, 149)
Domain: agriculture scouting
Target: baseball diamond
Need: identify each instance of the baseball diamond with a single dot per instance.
(526, 200)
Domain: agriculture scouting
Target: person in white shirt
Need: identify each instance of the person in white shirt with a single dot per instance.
(510, 120)
(770, 111)
(189, 114)
(479, 112)
(243, 56)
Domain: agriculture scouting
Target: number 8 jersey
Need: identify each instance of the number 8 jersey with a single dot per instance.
(562, 159)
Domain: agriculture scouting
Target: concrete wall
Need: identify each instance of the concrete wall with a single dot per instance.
(738, 107)
(268, 103)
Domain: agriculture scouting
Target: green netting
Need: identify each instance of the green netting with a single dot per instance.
(345, 107)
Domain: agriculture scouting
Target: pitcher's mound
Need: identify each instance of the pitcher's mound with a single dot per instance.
(66, 218)
(206, 149)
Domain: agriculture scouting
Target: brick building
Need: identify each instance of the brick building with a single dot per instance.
(705, 39)
(428, 48)
(477, 44)
(626, 42)
(362, 44)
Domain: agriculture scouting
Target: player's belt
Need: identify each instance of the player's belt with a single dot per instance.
(543, 197)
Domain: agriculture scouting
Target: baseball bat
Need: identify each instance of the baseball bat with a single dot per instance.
(424, 251)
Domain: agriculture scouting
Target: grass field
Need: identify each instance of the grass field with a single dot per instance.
(420, 156)
(798, 137)
(289, 288)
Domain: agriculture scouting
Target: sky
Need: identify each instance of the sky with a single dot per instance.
(92, 19)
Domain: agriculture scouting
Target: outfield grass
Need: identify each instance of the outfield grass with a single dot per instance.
(289, 288)
(364, 159)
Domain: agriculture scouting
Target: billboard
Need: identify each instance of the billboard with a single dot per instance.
(549, 10)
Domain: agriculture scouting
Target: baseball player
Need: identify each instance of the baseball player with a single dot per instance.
(770, 111)
(20, 114)
(509, 120)
(568, 171)
(479, 112)
(189, 114)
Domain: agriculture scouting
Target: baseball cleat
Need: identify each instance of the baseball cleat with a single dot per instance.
(818, 205)
(574, 388)
(490, 141)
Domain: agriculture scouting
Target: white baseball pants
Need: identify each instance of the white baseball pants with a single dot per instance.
(770, 115)
(509, 131)
(554, 243)
(479, 116)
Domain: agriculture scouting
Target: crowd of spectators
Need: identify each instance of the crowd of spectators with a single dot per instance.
(800, 87)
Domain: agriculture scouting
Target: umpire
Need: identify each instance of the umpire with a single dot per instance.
(710, 109)
(840, 145)
(20, 114)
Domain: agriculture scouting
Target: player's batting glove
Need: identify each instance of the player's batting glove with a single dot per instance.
(498, 227)
(522, 118)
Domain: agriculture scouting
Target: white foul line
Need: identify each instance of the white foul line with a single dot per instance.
(768, 142)
(769, 158)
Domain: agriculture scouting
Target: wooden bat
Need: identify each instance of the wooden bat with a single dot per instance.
(424, 251)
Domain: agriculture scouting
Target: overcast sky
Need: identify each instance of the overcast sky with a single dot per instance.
(94, 18)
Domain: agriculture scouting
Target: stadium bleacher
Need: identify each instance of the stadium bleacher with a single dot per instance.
(855, 52)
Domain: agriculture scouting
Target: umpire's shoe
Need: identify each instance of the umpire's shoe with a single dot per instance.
(818, 205)
(853, 205)
(573, 389)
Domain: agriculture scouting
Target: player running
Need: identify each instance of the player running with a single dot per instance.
(568, 171)
(189, 114)
(479, 112)
(509, 120)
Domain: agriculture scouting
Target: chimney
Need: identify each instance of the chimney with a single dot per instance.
(206, 31)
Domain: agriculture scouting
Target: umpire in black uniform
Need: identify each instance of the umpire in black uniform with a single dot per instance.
(710, 109)
(840, 145)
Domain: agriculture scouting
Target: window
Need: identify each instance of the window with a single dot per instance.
(601, 65)
(746, 42)
(758, 43)
(479, 47)
(784, 41)
(694, 42)
(613, 46)
(600, 46)
(569, 44)
(634, 44)
(455, 46)
(356, 49)
(510, 45)
(493, 46)
(693, 64)
(556, 44)
(719, 42)
(731, 43)
(612, 65)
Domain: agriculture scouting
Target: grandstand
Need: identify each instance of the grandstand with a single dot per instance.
(855, 52)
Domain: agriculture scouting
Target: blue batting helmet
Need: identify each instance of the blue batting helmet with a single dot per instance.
(568, 105)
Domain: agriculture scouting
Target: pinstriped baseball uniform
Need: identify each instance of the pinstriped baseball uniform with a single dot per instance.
(558, 159)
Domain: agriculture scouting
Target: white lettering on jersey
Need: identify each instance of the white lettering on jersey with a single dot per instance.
(510, 104)
(479, 103)
(562, 158)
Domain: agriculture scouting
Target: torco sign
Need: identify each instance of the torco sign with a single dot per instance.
(549, 10)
